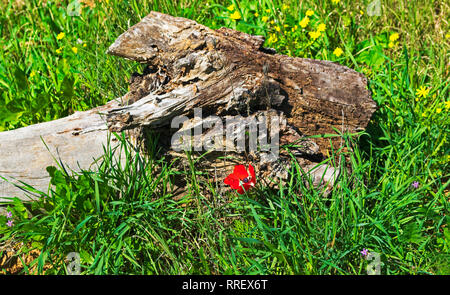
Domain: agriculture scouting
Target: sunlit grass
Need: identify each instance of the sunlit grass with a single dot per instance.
(122, 219)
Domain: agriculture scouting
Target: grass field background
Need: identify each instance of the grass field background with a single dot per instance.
(122, 220)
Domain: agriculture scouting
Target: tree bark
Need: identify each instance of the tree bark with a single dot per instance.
(76, 141)
(225, 73)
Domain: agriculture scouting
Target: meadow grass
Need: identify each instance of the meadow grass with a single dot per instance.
(122, 218)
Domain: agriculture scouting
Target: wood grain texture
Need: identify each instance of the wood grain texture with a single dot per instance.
(76, 140)
(224, 72)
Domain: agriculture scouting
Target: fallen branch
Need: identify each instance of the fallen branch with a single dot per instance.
(225, 73)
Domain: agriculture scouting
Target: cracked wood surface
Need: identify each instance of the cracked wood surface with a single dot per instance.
(224, 72)
(76, 140)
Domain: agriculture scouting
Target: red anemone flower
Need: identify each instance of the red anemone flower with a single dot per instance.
(241, 179)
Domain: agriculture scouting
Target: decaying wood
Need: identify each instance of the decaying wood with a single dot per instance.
(225, 73)
(222, 71)
(76, 140)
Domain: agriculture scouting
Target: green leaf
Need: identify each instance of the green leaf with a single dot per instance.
(80, 225)
(20, 79)
(67, 87)
(412, 234)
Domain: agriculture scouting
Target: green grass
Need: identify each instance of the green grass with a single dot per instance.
(122, 219)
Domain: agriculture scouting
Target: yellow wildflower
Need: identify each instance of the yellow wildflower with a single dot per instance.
(394, 37)
(231, 7)
(264, 18)
(422, 91)
(284, 7)
(32, 74)
(438, 110)
(391, 44)
(361, 12)
(336, 1)
(447, 35)
(309, 12)
(314, 35)
(447, 104)
(304, 22)
(235, 15)
(268, 10)
(338, 51)
(75, 50)
(59, 50)
(256, 14)
(277, 28)
(84, 44)
(272, 38)
(321, 28)
(272, 22)
(60, 36)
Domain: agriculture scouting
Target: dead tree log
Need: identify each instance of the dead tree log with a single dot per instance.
(76, 140)
(225, 73)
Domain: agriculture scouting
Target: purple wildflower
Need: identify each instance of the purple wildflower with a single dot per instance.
(364, 252)
(9, 223)
(8, 214)
(415, 184)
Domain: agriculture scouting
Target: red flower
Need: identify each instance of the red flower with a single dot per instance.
(241, 180)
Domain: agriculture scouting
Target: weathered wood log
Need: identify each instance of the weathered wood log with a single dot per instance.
(225, 73)
(76, 140)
